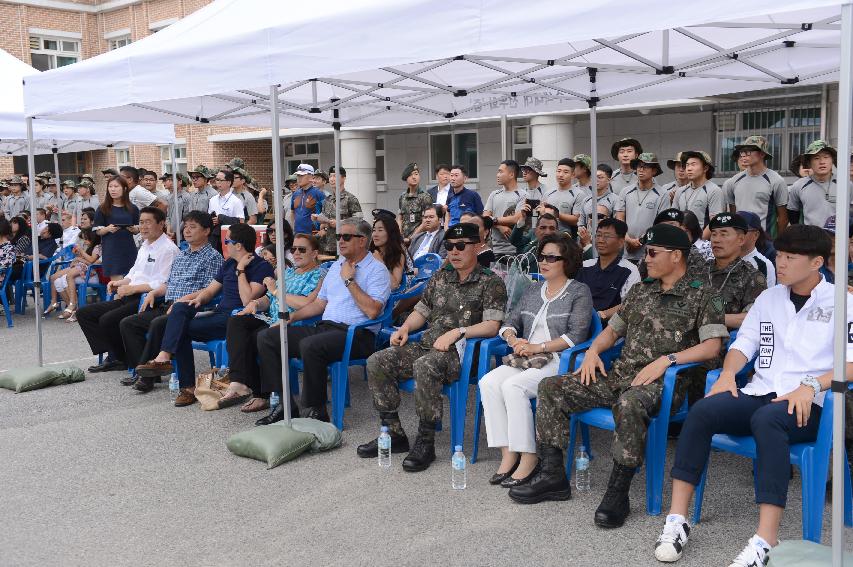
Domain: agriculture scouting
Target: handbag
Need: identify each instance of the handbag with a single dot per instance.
(210, 388)
(538, 360)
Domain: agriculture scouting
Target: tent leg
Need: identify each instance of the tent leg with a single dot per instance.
(593, 153)
(58, 181)
(176, 210)
(842, 212)
(504, 144)
(31, 165)
(279, 249)
(336, 133)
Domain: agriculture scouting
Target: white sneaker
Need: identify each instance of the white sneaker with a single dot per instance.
(670, 543)
(755, 554)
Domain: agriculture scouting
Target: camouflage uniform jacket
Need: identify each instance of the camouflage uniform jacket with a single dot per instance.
(350, 207)
(738, 284)
(412, 209)
(448, 304)
(656, 323)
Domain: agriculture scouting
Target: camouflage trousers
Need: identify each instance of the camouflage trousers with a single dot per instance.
(430, 368)
(633, 408)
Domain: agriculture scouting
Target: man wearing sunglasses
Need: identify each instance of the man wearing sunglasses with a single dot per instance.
(667, 319)
(354, 291)
(462, 300)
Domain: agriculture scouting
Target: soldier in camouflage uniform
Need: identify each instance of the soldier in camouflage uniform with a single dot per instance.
(462, 300)
(667, 319)
(695, 260)
(413, 202)
(350, 207)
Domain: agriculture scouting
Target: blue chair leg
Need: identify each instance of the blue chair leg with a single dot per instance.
(585, 438)
(848, 497)
(697, 497)
(339, 387)
(6, 309)
(478, 408)
(809, 492)
(212, 356)
(655, 464)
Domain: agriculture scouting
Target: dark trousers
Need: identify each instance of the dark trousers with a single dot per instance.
(100, 324)
(317, 347)
(241, 339)
(774, 431)
(176, 332)
(134, 331)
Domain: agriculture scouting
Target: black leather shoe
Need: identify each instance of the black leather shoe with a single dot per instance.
(399, 444)
(143, 385)
(423, 453)
(277, 414)
(498, 478)
(549, 482)
(318, 413)
(510, 482)
(128, 380)
(108, 366)
(615, 506)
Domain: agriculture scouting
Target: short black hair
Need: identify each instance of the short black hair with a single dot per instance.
(270, 248)
(460, 167)
(691, 223)
(439, 210)
(229, 175)
(569, 162)
(244, 235)
(5, 228)
(204, 220)
(551, 207)
(569, 251)
(441, 166)
(149, 173)
(54, 229)
(42, 210)
(620, 226)
(343, 171)
(806, 239)
(605, 168)
(134, 173)
(158, 214)
(511, 164)
(546, 216)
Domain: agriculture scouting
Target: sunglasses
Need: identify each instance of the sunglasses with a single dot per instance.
(229, 241)
(457, 245)
(653, 253)
(548, 258)
(347, 236)
(300, 249)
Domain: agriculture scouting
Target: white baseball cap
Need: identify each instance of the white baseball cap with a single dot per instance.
(304, 169)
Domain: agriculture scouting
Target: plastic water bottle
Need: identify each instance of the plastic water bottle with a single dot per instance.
(174, 387)
(582, 471)
(384, 443)
(459, 475)
(274, 400)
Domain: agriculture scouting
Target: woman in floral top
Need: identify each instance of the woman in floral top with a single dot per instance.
(64, 282)
(302, 283)
(7, 251)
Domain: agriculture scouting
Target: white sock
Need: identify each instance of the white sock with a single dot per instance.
(758, 540)
(676, 519)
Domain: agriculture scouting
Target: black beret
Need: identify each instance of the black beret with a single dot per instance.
(728, 220)
(463, 230)
(669, 215)
(667, 236)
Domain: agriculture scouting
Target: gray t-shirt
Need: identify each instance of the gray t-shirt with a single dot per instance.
(705, 201)
(620, 181)
(641, 208)
(565, 200)
(815, 199)
(249, 202)
(611, 200)
(502, 203)
(759, 194)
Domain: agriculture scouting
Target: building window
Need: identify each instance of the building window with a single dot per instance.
(51, 53)
(522, 145)
(122, 157)
(180, 159)
(454, 148)
(117, 42)
(301, 152)
(380, 164)
(789, 130)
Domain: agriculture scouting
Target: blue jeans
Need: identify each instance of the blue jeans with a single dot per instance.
(182, 328)
(768, 422)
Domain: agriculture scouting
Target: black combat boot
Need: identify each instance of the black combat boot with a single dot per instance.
(550, 483)
(423, 453)
(399, 441)
(615, 507)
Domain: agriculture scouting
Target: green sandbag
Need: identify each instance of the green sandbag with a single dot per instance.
(798, 553)
(327, 436)
(274, 444)
(35, 377)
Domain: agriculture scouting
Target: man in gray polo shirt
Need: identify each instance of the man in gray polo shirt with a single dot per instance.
(605, 197)
(680, 175)
(566, 195)
(811, 200)
(643, 201)
(757, 189)
(624, 151)
(501, 206)
(701, 196)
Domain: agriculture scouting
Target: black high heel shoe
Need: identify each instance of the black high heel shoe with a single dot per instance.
(498, 478)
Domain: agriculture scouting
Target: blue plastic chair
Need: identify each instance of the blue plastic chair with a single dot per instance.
(383, 337)
(812, 459)
(497, 348)
(4, 298)
(83, 288)
(25, 284)
(426, 265)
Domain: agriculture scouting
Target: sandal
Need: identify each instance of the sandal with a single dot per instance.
(51, 308)
(232, 400)
(71, 309)
(73, 318)
(255, 404)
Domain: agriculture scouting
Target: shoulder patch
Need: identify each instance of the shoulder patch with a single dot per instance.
(697, 284)
(488, 272)
(448, 267)
(717, 303)
(648, 280)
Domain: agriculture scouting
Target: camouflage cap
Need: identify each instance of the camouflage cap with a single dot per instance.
(753, 143)
(728, 220)
(51, 181)
(670, 163)
(535, 165)
(69, 183)
(322, 175)
(16, 180)
(463, 230)
(4, 184)
(584, 160)
(647, 158)
(44, 175)
(185, 179)
(816, 147)
(408, 170)
(290, 178)
(614, 149)
(86, 183)
(237, 163)
(795, 165)
(667, 236)
(201, 170)
(703, 156)
(111, 171)
(241, 172)
(88, 176)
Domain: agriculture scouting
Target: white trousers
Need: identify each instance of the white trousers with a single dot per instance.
(506, 393)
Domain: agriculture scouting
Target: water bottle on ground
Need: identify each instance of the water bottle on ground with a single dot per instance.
(582, 471)
(274, 399)
(384, 443)
(459, 475)
(174, 387)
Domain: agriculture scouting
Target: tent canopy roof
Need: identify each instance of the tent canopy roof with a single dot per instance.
(387, 75)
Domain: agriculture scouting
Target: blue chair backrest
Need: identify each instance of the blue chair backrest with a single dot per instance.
(537, 277)
(427, 265)
(327, 265)
(595, 325)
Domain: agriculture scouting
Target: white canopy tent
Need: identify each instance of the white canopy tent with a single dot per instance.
(473, 59)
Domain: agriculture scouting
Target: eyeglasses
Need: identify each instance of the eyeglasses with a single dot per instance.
(349, 236)
(548, 258)
(600, 236)
(300, 249)
(458, 245)
(652, 253)
(229, 241)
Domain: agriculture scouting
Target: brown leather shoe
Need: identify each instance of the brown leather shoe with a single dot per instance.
(186, 397)
(153, 369)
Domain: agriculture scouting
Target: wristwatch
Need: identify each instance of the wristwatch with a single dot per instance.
(239, 272)
(812, 382)
(348, 281)
(672, 359)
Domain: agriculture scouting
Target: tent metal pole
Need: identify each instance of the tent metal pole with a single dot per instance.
(504, 143)
(593, 153)
(31, 167)
(56, 173)
(279, 250)
(842, 217)
(336, 140)
(176, 210)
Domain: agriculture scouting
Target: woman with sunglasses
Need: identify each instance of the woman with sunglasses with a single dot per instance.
(301, 284)
(551, 316)
(387, 247)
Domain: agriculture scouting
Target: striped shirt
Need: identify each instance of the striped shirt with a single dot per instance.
(192, 271)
